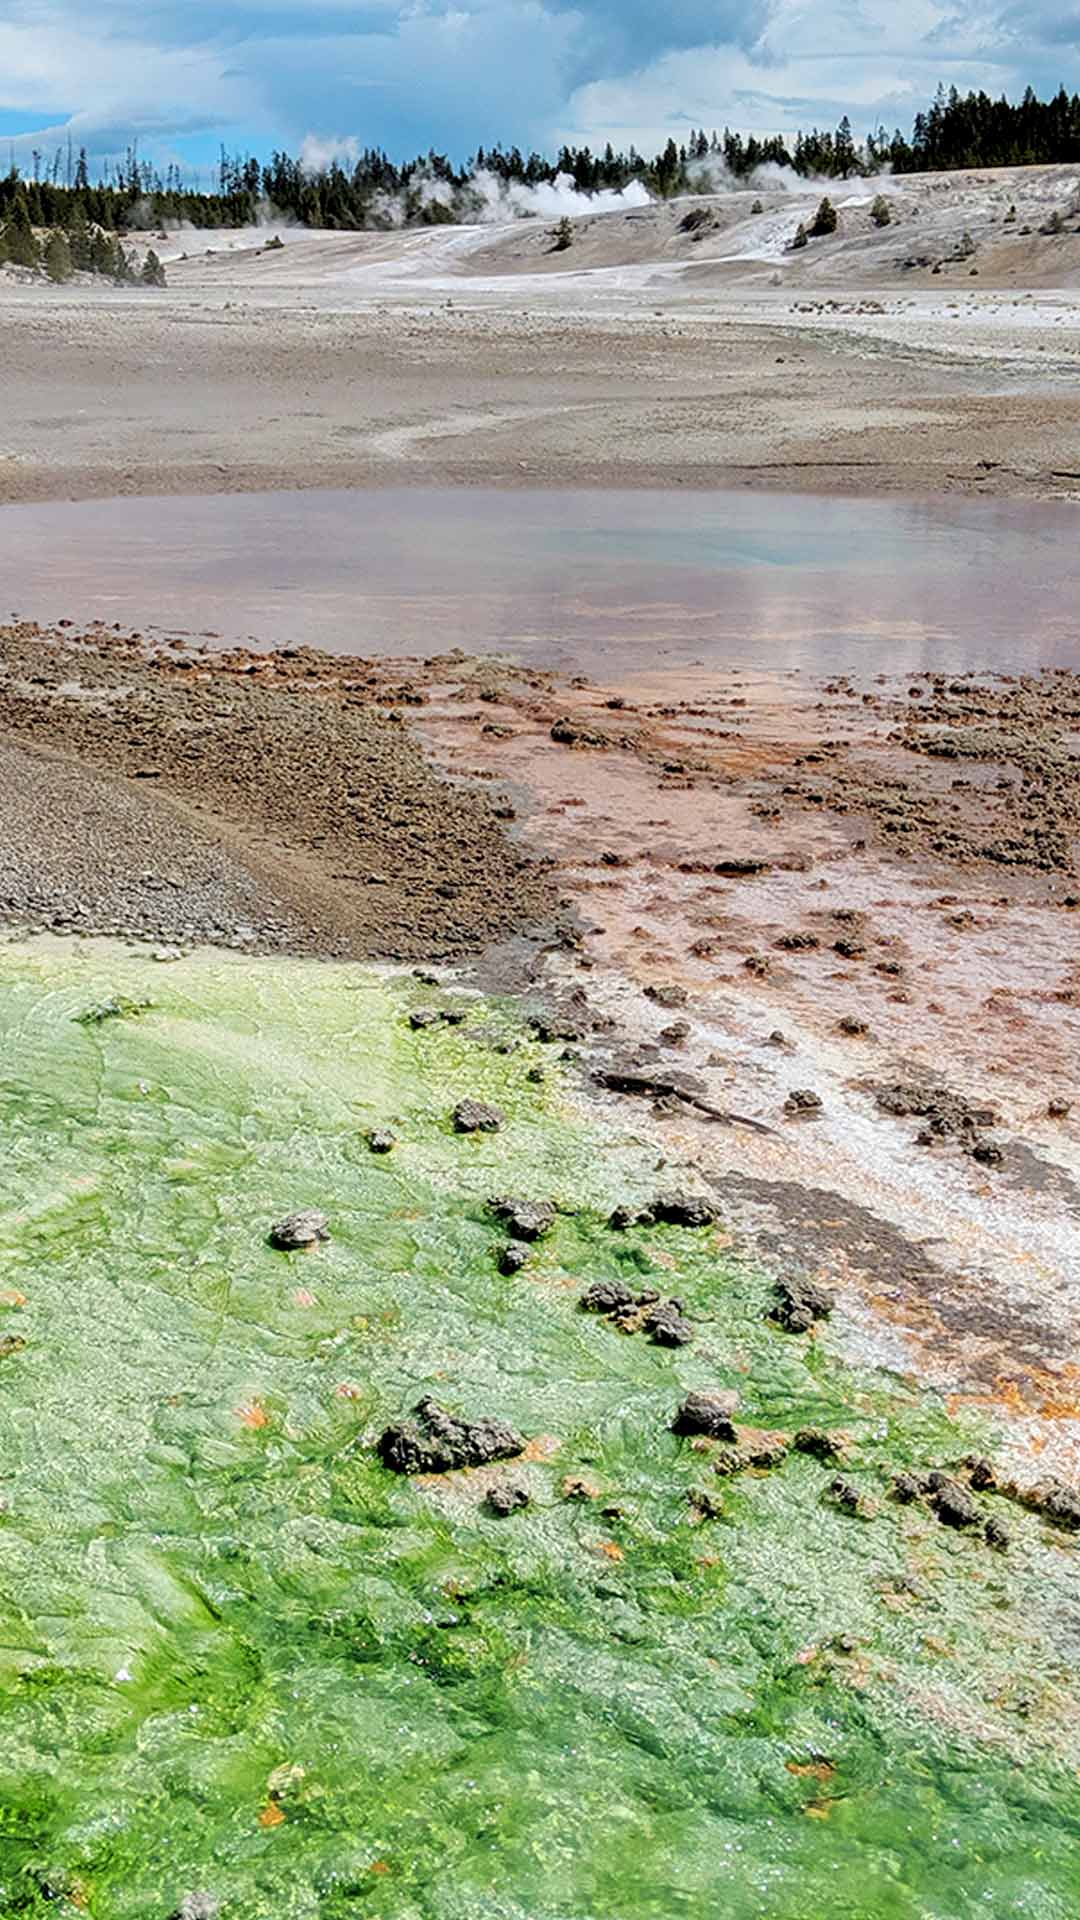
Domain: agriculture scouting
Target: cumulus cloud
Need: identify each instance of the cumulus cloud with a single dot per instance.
(413, 73)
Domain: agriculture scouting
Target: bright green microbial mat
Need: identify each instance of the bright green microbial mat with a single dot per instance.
(237, 1655)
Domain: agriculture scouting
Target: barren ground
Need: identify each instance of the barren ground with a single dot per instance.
(882, 359)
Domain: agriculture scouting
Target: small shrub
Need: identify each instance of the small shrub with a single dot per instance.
(801, 237)
(826, 220)
(1011, 215)
(881, 212)
(1055, 223)
(274, 244)
(563, 236)
(153, 273)
(758, 206)
(966, 247)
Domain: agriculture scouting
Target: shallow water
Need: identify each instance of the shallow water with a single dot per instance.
(236, 1653)
(575, 577)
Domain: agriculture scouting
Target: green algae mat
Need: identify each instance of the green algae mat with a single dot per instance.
(240, 1657)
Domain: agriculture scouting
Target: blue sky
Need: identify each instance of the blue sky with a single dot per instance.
(184, 75)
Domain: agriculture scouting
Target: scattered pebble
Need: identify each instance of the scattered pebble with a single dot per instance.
(475, 1116)
(506, 1499)
(803, 1100)
(296, 1230)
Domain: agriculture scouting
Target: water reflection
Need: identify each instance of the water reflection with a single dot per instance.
(576, 577)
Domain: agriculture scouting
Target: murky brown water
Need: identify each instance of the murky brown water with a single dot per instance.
(757, 580)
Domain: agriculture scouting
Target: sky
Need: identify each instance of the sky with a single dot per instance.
(183, 76)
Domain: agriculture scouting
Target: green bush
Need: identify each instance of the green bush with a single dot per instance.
(881, 212)
(826, 220)
(563, 236)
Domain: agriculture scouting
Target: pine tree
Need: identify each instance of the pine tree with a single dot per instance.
(881, 212)
(153, 273)
(844, 149)
(801, 238)
(563, 236)
(58, 263)
(103, 253)
(825, 220)
(79, 241)
(21, 245)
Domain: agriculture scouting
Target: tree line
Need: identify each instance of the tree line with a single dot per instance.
(75, 245)
(374, 191)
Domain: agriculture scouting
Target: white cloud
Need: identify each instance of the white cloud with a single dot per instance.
(408, 73)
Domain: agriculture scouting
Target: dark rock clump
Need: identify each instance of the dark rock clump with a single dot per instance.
(569, 732)
(381, 1140)
(607, 1297)
(667, 1325)
(907, 1488)
(475, 1116)
(644, 1312)
(422, 1017)
(948, 1116)
(435, 1441)
(667, 1210)
(803, 1100)
(513, 1257)
(798, 1304)
(996, 1534)
(506, 1499)
(708, 1414)
(303, 1229)
(684, 1210)
(980, 1473)
(524, 1219)
(845, 1496)
(818, 1444)
(1055, 1502)
(952, 1503)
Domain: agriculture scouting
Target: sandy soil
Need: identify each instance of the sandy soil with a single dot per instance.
(163, 797)
(644, 353)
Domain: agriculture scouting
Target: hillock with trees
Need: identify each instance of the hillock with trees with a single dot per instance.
(74, 245)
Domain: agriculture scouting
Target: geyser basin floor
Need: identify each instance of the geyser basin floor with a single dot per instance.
(237, 1654)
